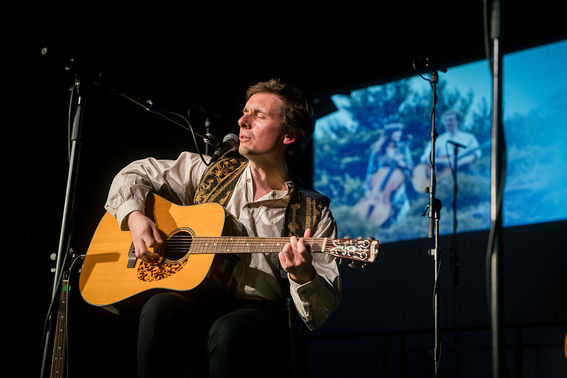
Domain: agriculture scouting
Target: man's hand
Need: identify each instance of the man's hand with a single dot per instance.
(296, 259)
(145, 234)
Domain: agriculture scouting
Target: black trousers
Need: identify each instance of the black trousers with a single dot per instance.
(182, 336)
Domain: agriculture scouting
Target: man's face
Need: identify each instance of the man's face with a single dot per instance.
(261, 132)
(451, 123)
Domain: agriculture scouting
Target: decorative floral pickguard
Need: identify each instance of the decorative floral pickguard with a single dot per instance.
(158, 271)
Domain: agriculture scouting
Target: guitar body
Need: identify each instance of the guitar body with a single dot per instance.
(420, 179)
(111, 273)
(421, 173)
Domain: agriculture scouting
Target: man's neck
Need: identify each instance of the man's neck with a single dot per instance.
(453, 132)
(268, 177)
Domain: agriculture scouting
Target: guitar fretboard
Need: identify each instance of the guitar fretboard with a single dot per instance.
(59, 340)
(183, 244)
(229, 244)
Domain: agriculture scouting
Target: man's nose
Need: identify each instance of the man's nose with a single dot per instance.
(243, 121)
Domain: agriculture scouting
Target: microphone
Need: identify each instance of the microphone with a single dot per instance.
(456, 144)
(427, 64)
(229, 143)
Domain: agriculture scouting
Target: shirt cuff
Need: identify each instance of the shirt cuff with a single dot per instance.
(125, 209)
(306, 290)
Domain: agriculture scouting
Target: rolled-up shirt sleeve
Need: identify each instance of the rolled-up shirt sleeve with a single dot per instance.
(174, 180)
(317, 299)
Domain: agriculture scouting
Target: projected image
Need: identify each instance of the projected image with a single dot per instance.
(372, 154)
(535, 116)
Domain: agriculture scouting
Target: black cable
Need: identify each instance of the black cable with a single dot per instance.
(148, 105)
(192, 133)
(69, 122)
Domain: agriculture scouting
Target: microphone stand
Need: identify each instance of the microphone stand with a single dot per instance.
(208, 138)
(455, 261)
(434, 207)
(207, 133)
(65, 234)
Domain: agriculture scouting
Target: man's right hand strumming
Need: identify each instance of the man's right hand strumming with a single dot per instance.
(145, 236)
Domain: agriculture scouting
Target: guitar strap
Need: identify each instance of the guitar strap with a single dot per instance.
(219, 181)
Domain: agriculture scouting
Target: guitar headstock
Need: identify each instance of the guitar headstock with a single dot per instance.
(363, 250)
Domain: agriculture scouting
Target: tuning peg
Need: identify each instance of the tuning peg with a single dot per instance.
(363, 266)
(340, 262)
(352, 265)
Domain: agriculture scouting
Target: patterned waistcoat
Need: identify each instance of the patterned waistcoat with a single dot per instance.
(303, 211)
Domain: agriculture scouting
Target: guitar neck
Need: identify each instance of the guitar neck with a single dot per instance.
(231, 244)
(60, 338)
(365, 250)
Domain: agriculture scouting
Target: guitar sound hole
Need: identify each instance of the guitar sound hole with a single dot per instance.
(177, 245)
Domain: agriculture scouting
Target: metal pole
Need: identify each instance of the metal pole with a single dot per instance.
(496, 192)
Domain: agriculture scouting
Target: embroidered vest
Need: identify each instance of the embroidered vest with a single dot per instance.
(303, 211)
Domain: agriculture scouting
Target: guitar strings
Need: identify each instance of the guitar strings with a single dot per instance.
(228, 244)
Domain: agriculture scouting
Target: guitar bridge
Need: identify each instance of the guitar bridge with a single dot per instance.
(131, 257)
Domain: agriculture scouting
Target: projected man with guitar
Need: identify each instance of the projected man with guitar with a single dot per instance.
(445, 152)
(209, 316)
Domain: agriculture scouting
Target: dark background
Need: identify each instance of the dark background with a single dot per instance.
(196, 56)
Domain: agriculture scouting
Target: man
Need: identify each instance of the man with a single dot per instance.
(445, 150)
(243, 332)
(468, 151)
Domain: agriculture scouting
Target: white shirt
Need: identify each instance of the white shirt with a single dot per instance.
(446, 151)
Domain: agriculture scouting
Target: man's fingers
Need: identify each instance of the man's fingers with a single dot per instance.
(139, 248)
(145, 236)
(286, 252)
(286, 256)
(304, 254)
(156, 235)
(293, 243)
(302, 247)
(146, 246)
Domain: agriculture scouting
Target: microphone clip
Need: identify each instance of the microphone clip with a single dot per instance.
(211, 140)
(230, 143)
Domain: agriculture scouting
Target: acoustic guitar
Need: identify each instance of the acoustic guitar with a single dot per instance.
(193, 236)
(421, 173)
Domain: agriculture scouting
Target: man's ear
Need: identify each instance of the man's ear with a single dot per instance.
(290, 138)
